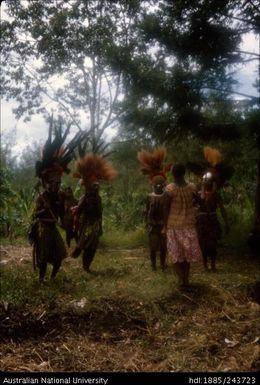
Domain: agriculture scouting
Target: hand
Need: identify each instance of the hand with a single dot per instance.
(163, 230)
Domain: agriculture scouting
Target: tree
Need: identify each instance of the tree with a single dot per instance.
(185, 51)
(55, 53)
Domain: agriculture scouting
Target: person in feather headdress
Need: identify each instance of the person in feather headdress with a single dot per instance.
(152, 166)
(91, 169)
(208, 226)
(48, 245)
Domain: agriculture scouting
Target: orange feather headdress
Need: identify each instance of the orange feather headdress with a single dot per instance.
(93, 168)
(220, 171)
(212, 156)
(152, 162)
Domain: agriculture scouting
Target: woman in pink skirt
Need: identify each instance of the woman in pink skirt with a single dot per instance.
(182, 240)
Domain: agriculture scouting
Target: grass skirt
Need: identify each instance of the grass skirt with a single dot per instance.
(49, 246)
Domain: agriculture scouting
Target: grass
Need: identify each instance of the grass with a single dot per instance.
(117, 239)
(124, 317)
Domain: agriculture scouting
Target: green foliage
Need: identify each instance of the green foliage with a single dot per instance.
(161, 67)
(6, 197)
(70, 40)
(169, 86)
(16, 214)
(240, 221)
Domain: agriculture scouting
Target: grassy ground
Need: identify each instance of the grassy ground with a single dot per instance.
(124, 317)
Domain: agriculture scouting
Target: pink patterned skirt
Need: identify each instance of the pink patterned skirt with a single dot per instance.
(183, 245)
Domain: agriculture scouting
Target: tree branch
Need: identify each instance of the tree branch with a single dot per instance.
(249, 53)
(63, 106)
(231, 92)
(108, 119)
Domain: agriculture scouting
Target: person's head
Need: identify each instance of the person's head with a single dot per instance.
(178, 171)
(92, 188)
(53, 183)
(208, 182)
(158, 183)
(51, 178)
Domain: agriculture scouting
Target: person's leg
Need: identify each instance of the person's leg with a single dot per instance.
(43, 268)
(153, 259)
(212, 253)
(205, 261)
(179, 270)
(85, 256)
(68, 237)
(88, 256)
(186, 267)
(153, 246)
(213, 261)
(163, 251)
(55, 269)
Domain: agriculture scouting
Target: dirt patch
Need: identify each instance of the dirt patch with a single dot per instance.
(15, 255)
(110, 322)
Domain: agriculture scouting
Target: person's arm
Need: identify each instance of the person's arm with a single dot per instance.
(166, 209)
(197, 200)
(40, 207)
(76, 212)
(196, 196)
(79, 208)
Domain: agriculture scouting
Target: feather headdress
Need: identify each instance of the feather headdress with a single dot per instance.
(94, 168)
(56, 155)
(220, 171)
(212, 155)
(152, 162)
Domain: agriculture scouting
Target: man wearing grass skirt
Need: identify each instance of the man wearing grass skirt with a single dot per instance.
(92, 169)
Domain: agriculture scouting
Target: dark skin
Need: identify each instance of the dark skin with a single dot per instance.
(67, 221)
(157, 240)
(52, 188)
(210, 200)
(90, 208)
(208, 188)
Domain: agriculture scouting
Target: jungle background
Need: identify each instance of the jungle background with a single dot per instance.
(156, 73)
